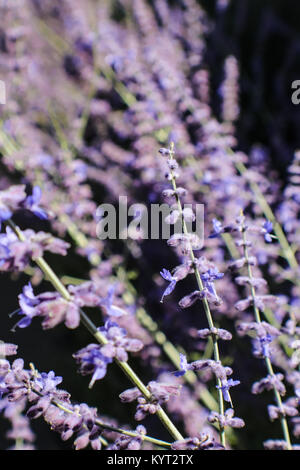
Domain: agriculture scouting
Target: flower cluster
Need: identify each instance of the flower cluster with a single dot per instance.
(45, 399)
(15, 255)
(203, 442)
(51, 306)
(93, 359)
(160, 393)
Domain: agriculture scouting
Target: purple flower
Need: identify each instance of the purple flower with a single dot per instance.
(10, 200)
(264, 343)
(47, 381)
(4, 253)
(128, 442)
(32, 203)
(92, 361)
(7, 349)
(168, 277)
(217, 332)
(184, 366)
(208, 278)
(268, 383)
(27, 301)
(201, 442)
(277, 444)
(108, 307)
(266, 230)
(165, 152)
(289, 408)
(118, 342)
(217, 228)
(226, 419)
(5, 214)
(226, 385)
(16, 254)
(190, 299)
(51, 306)
(265, 334)
(85, 294)
(160, 393)
(21, 386)
(163, 391)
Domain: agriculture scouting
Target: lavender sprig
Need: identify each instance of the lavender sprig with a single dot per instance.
(272, 375)
(201, 285)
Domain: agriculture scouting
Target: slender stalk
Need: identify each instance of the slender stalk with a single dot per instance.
(146, 438)
(268, 363)
(57, 284)
(204, 300)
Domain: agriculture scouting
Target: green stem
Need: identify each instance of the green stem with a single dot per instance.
(57, 284)
(146, 438)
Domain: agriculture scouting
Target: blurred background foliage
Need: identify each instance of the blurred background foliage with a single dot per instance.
(265, 38)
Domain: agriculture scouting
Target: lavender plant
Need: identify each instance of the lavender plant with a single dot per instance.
(92, 95)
